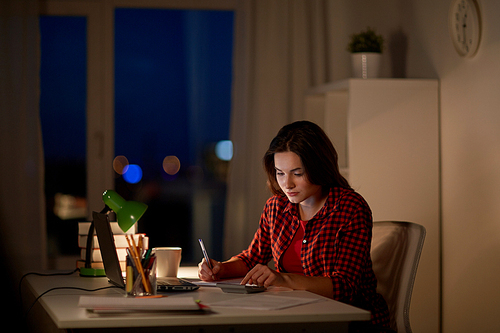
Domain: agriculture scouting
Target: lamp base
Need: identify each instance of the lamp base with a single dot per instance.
(92, 272)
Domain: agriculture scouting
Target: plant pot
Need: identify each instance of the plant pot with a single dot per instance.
(366, 65)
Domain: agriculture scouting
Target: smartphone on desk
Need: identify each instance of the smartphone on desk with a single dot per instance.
(240, 288)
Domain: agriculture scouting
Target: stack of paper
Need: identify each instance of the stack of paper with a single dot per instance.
(110, 304)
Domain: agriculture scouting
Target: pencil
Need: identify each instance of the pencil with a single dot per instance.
(138, 265)
(145, 280)
(140, 246)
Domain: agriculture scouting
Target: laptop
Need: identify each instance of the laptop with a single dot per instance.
(174, 284)
(112, 264)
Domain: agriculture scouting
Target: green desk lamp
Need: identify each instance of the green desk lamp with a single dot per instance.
(127, 214)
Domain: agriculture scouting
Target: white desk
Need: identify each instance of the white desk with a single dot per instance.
(61, 307)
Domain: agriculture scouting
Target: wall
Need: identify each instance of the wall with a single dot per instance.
(470, 146)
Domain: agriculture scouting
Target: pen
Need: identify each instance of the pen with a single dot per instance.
(129, 274)
(135, 256)
(147, 256)
(205, 254)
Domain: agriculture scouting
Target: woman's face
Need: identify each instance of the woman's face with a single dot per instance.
(292, 179)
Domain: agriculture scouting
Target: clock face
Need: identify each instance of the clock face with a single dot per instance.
(465, 26)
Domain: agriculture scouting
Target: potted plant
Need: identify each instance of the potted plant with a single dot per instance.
(366, 48)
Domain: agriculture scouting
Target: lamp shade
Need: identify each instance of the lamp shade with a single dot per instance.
(127, 212)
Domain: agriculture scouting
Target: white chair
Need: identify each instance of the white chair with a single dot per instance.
(395, 252)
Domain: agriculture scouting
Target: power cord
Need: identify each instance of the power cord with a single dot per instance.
(55, 288)
(60, 288)
(45, 274)
(39, 274)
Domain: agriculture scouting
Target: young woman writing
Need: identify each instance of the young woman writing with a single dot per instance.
(315, 227)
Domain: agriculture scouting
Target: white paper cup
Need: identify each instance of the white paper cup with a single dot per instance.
(168, 260)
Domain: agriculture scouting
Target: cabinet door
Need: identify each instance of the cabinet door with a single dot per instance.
(393, 147)
(393, 154)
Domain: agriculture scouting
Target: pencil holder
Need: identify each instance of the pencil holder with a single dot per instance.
(141, 279)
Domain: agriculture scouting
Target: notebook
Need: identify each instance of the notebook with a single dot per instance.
(112, 265)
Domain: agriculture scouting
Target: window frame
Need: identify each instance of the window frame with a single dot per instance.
(100, 77)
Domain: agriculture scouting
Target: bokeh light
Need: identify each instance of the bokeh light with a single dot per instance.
(120, 163)
(132, 174)
(171, 165)
(224, 150)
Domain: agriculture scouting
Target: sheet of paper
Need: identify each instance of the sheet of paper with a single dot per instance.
(264, 302)
(212, 283)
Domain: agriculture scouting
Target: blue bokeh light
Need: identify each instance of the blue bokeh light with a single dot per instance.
(133, 174)
(224, 150)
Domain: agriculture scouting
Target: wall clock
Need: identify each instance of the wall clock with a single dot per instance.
(464, 23)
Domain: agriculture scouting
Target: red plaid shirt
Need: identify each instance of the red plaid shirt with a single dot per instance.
(336, 244)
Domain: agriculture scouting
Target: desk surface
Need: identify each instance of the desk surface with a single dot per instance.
(62, 307)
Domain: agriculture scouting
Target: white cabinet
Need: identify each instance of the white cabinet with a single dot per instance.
(386, 132)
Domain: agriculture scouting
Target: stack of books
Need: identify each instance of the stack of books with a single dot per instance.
(120, 244)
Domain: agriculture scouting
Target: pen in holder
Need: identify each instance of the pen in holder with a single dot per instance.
(141, 272)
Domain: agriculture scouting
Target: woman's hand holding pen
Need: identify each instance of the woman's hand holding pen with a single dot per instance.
(207, 274)
(260, 275)
(231, 268)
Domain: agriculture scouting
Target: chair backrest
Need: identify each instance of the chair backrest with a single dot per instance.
(395, 252)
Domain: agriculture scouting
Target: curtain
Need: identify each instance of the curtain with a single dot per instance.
(22, 205)
(281, 49)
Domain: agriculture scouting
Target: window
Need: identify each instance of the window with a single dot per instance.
(172, 106)
(172, 102)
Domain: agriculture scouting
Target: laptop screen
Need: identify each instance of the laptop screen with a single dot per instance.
(108, 249)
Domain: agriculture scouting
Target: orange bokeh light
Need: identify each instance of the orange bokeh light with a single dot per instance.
(120, 164)
(171, 165)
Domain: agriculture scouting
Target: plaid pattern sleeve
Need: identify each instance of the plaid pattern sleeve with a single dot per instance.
(336, 244)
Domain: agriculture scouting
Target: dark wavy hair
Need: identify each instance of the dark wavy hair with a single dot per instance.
(317, 154)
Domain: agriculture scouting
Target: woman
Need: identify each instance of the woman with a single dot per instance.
(315, 227)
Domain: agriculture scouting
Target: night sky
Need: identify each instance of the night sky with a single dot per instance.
(173, 71)
(172, 84)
